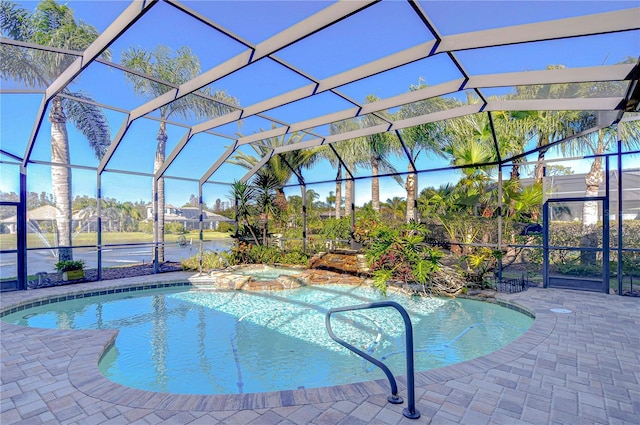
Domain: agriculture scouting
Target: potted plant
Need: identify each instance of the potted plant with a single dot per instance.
(71, 269)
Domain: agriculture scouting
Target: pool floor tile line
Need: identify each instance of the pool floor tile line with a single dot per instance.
(570, 368)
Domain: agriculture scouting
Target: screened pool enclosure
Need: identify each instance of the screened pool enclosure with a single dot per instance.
(510, 127)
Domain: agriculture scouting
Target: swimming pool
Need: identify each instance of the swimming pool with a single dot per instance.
(265, 273)
(229, 342)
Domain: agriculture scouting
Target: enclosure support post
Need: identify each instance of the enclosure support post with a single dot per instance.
(304, 218)
(156, 236)
(21, 230)
(99, 229)
(605, 228)
(620, 208)
(353, 212)
(200, 226)
(500, 208)
(545, 244)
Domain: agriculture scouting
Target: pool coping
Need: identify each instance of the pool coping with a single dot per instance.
(85, 376)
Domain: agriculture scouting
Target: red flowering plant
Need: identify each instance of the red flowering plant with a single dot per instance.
(399, 254)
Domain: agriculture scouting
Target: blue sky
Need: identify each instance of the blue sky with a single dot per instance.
(388, 26)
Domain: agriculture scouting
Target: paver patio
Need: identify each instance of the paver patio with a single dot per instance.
(568, 368)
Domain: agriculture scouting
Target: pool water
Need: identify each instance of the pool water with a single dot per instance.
(228, 342)
(266, 273)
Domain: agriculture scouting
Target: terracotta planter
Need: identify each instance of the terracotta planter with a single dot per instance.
(73, 275)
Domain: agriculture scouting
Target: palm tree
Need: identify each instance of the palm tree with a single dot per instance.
(597, 143)
(395, 208)
(281, 166)
(550, 126)
(381, 145)
(470, 142)
(312, 196)
(243, 194)
(265, 185)
(330, 201)
(127, 212)
(54, 25)
(174, 69)
(423, 138)
(353, 153)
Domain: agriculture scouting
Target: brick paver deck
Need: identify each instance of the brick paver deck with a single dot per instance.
(581, 367)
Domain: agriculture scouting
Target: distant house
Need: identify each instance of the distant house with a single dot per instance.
(189, 217)
(43, 220)
(574, 186)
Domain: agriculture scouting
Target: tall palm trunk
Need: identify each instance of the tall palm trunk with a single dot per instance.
(281, 200)
(339, 193)
(410, 186)
(158, 231)
(589, 232)
(375, 185)
(543, 141)
(538, 173)
(61, 177)
(348, 201)
(514, 179)
(265, 229)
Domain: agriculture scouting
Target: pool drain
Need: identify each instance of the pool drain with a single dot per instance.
(561, 310)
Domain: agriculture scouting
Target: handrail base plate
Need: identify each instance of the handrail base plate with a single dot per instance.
(395, 399)
(407, 413)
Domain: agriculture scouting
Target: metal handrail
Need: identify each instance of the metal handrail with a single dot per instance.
(410, 411)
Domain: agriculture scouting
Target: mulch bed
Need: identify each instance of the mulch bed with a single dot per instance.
(91, 275)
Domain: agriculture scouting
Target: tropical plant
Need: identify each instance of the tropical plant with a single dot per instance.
(243, 253)
(242, 194)
(312, 199)
(210, 260)
(282, 166)
(172, 69)
(395, 209)
(265, 185)
(349, 154)
(54, 25)
(381, 146)
(398, 253)
(479, 263)
(547, 127)
(331, 199)
(421, 139)
(598, 143)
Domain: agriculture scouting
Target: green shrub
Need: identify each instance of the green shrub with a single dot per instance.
(175, 228)
(226, 227)
(69, 265)
(573, 267)
(336, 228)
(399, 254)
(295, 257)
(245, 253)
(146, 227)
(210, 261)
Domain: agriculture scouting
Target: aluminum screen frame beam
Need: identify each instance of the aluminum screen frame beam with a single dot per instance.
(600, 23)
(124, 21)
(316, 22)
(554, 76)
(496, 37)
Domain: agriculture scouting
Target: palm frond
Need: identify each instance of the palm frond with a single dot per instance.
(14, 21)
(91, 121)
